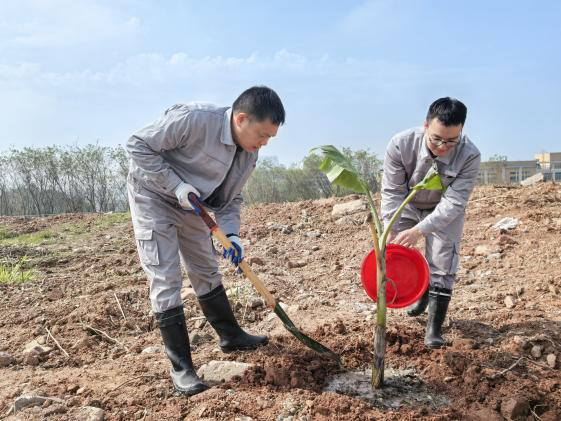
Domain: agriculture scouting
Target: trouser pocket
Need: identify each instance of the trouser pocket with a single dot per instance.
(147, 246)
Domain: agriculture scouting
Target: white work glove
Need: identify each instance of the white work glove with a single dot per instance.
(182, 193)
(236, 252)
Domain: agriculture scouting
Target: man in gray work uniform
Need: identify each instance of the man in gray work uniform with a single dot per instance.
(211, 152)
(438, 216)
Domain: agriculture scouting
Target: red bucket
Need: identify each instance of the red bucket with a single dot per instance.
(407, 272)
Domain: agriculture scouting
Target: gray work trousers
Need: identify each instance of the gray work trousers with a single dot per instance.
(442, 247)
(166, 237)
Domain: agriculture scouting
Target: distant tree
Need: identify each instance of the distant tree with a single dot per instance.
(498, 157)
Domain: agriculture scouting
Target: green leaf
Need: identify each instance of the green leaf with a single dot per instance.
(431, 181)
(339, 169)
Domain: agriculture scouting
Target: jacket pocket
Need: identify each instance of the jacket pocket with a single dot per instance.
(147, 246)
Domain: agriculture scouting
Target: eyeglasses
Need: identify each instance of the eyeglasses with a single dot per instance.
(439, 142)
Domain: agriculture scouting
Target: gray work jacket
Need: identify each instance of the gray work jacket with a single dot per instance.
(193, 143)
(406, 163)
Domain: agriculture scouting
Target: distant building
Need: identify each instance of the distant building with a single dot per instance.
(550, 165)
(506, 172)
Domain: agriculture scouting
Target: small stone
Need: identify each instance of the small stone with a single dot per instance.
(514, 408)
(31, 359)
(37, 348)
(551, 360)
(218, 371)
(296, 264)
(553, 290)
(256, 303)
(41, 340)
(6, 359)
(313, 234)
(254, 260)
(536, 351)
(287, 230)
(349, 208)
(152, 350)
(315, 248)
(509, 301)
(91, 413)
(448, 379)
(199, 324)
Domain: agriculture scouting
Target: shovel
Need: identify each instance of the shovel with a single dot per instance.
(258, 284)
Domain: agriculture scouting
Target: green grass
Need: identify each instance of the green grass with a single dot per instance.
(64, 231)
(15, 274)
(4, 233)
(31, 239)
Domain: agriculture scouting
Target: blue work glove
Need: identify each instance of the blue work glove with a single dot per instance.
(234, 253)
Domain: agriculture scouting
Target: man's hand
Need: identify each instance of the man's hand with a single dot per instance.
(409, 238)
(182, 193)
(236, 252)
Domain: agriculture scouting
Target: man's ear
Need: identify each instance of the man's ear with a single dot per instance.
(240, 118)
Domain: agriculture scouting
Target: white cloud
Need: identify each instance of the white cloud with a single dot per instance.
(62, 23)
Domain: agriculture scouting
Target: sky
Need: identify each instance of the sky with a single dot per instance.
(350, 73)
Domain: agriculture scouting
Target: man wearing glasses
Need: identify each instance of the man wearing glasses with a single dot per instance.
(438, 216)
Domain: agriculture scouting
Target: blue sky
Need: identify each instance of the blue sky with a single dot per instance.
(350, 73)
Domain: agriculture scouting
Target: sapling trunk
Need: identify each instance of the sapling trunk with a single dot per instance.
(340, 171)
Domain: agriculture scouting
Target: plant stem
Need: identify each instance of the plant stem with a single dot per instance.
(373, 212)
(394, 218)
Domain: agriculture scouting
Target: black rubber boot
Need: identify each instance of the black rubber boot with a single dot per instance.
(176, 341)
(216, 308)
(439, 298)
(420, 306)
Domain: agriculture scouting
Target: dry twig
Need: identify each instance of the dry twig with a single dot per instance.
(56, 342)
(120, 308)
(494, 376)
(105, 335)
(134, 378)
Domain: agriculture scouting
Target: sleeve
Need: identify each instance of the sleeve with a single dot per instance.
(171, 131)
(229, 218)
(394, 182)
(454, 199)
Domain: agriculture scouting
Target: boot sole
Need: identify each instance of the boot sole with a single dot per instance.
(228, 350)
(192, 392)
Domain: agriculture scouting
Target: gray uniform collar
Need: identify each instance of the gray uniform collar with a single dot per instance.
(226, 136)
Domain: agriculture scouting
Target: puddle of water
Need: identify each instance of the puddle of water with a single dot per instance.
(402, 388)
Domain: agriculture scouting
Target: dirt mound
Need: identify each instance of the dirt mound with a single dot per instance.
(90, 294)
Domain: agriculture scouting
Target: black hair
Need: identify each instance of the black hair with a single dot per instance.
(449, 111)
(262, 103)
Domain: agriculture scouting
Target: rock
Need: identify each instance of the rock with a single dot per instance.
(348, 208)
(292, 264)
(254, 260)
(313, 234)
(485, 250)
(273, 250)
(31, 359)
(36, 348)
(506, 224)
(345, 220)
(287, 230)
(536, 351)
(551, 360)
(536, 178)
(509, 301)
(218, 371)
(84, 342)
(187, 293)
(553, 290)
(256, 303)
(6, 359)
(26, 401)
(514, 407)
(152, 350)
(91, 413)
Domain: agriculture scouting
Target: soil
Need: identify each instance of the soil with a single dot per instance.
(503, 324)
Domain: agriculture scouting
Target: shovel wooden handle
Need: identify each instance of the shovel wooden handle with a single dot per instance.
(221, 237)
